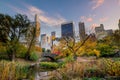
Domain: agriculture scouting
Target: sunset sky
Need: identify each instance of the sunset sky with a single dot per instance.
(54, 12)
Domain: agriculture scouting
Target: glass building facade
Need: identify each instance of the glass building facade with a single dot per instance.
(67, 30)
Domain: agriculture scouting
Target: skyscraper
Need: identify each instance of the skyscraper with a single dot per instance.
(109, 32)
(43, 40)
(99, 28)
(53, 35)
(67, 30)
(82, 31)
(100, 32)
(119, 24)
(37, 25)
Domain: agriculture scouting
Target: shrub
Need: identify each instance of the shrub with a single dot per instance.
(3, 54)
(49, 65)
(43, 50)
(111, 68)
(105, 50)
(34, 56)
(21, 52)
(69, 59)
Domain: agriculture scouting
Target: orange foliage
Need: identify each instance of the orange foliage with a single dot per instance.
(37, 48)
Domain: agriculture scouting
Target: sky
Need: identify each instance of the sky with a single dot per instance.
(52, 13)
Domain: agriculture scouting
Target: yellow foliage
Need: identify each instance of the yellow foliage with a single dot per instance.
(111, 67)
(96, 52)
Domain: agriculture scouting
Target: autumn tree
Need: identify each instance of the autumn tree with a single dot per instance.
(71, 47)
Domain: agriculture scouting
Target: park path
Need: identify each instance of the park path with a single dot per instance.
(86, 59)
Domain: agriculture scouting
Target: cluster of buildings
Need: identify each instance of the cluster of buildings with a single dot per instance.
(68, 30)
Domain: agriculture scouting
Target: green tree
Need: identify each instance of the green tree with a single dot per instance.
(105, 49)
(116, 38)
(31, 40)
(13, 29)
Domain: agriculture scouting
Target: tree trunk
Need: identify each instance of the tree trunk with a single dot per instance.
(29, 48)
(13, 57)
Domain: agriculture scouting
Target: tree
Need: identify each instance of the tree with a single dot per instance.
(13, 29)
(89, 48)
(74, 46)
(116, 38)
(107, 46)
(31, 39)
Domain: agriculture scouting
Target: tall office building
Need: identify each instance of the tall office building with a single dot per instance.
(119, 24)
(109, 32)
(37, 25)
(53, 35)
(82, 31)
(67, 30)
(99, 28)
(43, 40)
(100, 32)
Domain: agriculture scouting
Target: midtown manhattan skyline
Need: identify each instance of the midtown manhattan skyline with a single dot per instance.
(55, 12)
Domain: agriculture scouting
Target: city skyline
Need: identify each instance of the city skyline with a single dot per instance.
(53, 13)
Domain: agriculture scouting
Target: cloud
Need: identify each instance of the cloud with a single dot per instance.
(89, 19)
(118, 2)
(86, 19)
(30, 11)
(97, 3)
(103, 19)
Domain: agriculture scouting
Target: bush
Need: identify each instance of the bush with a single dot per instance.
(49, 65)
(43, 50)
(21, 52)
(111, 68)
(105, 50)
(3, 54)
(34, 56)
(69, 59)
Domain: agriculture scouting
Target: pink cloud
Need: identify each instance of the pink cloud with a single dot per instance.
(103, 19)
(97, 3)
(88, 19)
(118, 2)
(30, 11)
